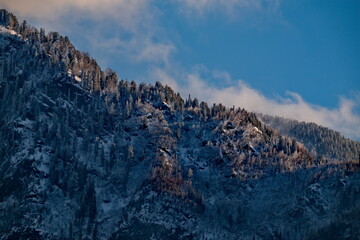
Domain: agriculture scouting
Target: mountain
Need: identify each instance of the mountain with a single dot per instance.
(328, 144)
(85, 155)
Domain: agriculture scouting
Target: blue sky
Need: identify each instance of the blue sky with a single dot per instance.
(298, 59)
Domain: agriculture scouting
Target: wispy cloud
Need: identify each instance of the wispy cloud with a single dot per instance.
(126, 28)
(137, 48)
(127, 11)
(230, 8)
(156, 52)
(292, 105)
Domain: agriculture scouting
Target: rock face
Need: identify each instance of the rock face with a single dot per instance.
(86, 156)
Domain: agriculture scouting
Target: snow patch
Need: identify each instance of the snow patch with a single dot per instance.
(77, 79)
(9, 31)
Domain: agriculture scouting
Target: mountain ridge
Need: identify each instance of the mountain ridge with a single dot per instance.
(87, 156)
(315, 137)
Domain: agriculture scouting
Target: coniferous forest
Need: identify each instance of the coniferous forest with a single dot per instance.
(87, 155)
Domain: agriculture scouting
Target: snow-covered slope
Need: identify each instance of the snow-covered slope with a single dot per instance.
(85, 156)
(327, 143)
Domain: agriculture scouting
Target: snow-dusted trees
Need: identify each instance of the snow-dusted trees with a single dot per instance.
(9, 19)
(110, 84)
(195, 103)
(316, 138)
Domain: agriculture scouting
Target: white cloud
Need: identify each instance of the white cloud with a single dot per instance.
(107, 21)
(203, 5)
(158, 74)
(51, 10)
(343, 118)
(138, 48)
(126, 28)
(155, 52)
(231, 8)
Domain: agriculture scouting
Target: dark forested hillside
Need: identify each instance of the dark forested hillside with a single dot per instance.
(85, 155)
(328, 144)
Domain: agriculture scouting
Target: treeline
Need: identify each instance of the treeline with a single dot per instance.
(329, 145)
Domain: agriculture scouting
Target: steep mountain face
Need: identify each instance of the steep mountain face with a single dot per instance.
(85, 156)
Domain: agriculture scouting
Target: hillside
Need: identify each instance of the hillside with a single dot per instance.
(329, 145)
(85, 155)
